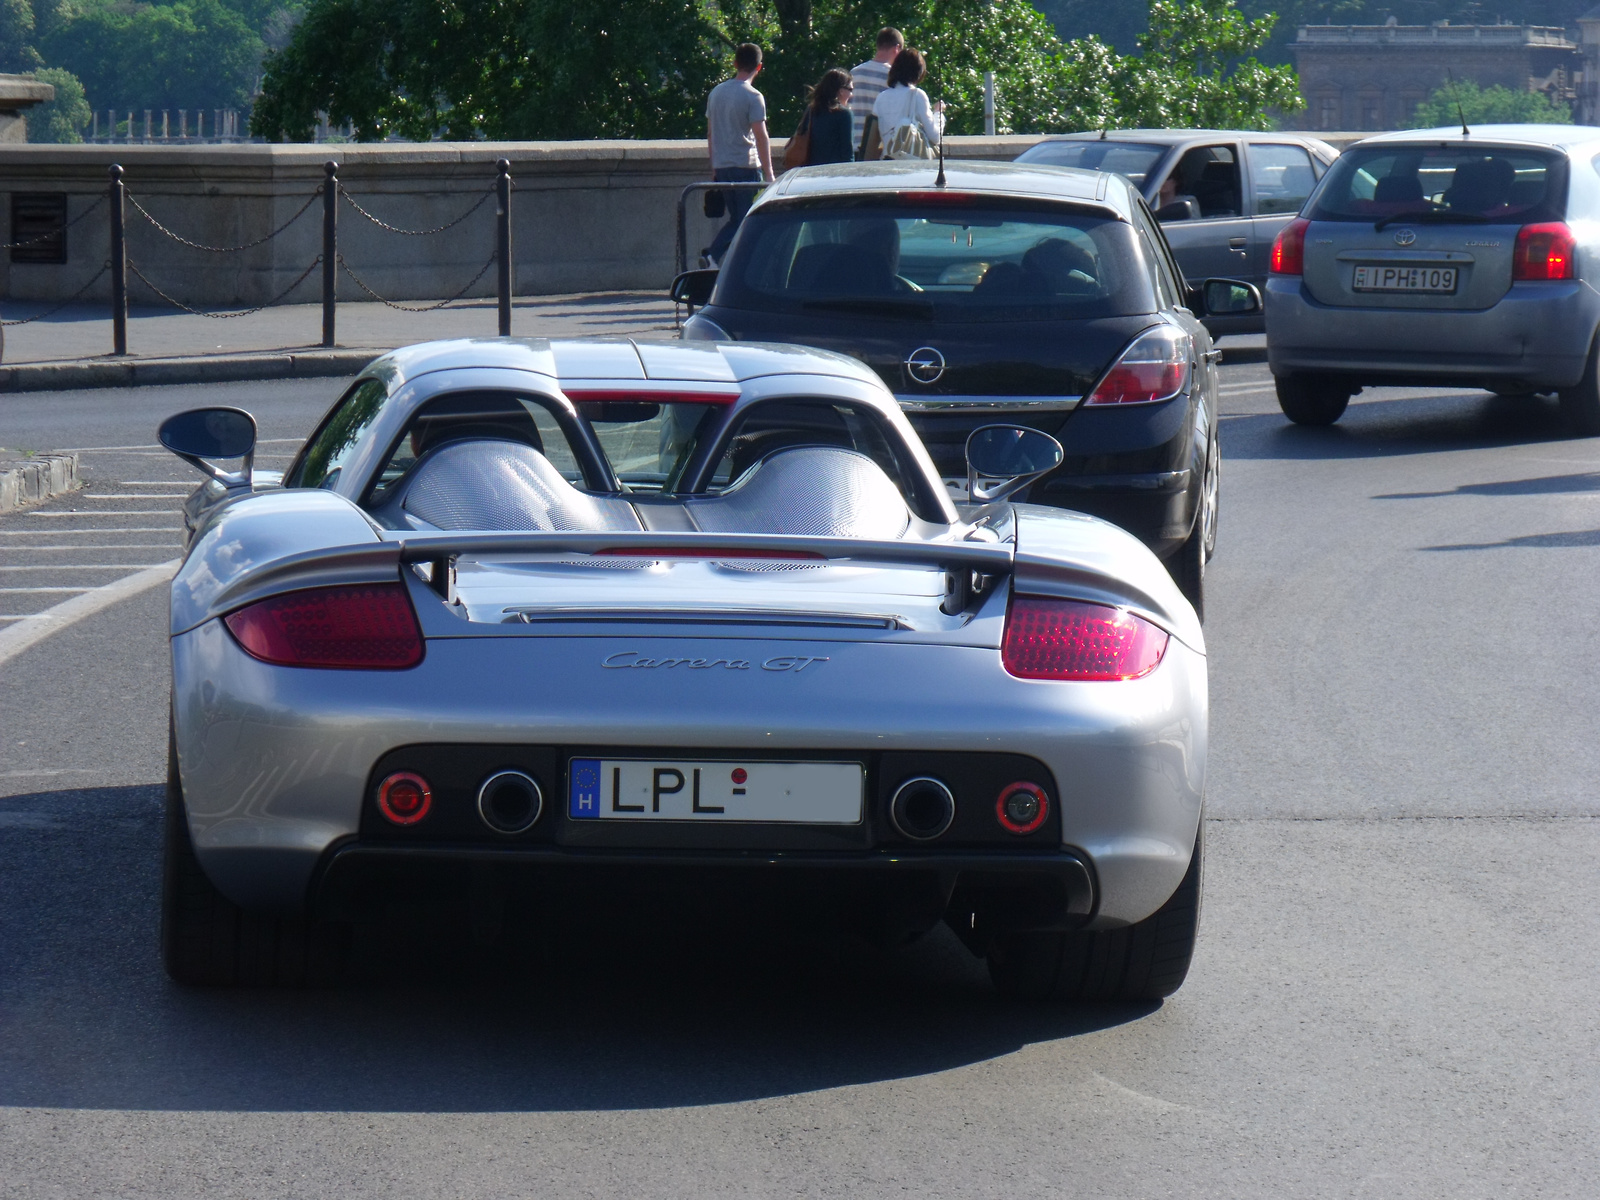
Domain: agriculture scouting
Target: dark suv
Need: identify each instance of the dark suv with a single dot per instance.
(987, 293)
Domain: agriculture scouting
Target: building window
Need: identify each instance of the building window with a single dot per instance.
(39, 224)
(1372, 112)
(1328, 112)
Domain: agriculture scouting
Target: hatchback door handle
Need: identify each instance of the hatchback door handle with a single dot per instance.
(1236, 243)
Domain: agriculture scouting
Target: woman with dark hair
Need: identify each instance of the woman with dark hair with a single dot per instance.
(828, 114)
(904, 103)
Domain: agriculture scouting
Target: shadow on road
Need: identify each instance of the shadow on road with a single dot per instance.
(622, 1007)
(1544, 485)
(1533, 541)
(1409, 425)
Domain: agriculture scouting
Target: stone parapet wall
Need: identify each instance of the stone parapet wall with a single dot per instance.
(587, 216)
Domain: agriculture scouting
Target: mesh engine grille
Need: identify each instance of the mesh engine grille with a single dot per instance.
(812, 490)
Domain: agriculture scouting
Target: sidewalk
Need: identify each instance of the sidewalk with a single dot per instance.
(72, 348)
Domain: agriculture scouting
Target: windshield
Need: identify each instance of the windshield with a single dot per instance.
(956, 258)
(1134, 159)
(1466, 183)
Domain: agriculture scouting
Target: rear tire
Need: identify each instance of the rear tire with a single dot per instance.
(1307, 400)
(208, 941)
(1580, 405)
(1146, 961)
(1187, 564)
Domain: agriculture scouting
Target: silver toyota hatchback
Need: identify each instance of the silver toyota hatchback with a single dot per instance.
(1443, 258)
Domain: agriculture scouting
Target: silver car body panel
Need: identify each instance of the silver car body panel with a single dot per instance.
(539, 637)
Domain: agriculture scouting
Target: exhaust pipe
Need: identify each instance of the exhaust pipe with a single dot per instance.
(510, 802)
(922, 808)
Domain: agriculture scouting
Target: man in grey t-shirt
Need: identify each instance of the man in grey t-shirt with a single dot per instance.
(736, 135)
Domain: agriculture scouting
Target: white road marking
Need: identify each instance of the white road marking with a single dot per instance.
(79, 567)
(19, 637)
(151, 483)
(164, 450)
(113, 546)
(127, 512)
(136, 495)
(34, 590)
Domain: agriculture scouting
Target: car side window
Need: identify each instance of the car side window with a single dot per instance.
(1281, 177)
(325, 455)
(1210, 176)
(1164, 272)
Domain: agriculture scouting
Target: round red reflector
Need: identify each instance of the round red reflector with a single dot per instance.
(404, 798)
(739, 775)
(1022, 807)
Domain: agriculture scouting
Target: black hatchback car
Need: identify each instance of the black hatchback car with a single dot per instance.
(997, 292)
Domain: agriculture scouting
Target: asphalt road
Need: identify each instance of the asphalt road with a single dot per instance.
(1392, 996)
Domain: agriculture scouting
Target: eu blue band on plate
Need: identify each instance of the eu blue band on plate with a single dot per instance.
(583, 800)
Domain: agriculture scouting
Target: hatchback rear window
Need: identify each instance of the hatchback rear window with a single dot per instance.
(1133, 159)
(945, 260)
(1467, 183)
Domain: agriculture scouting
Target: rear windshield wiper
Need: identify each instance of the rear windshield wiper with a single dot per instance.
(894, 307)
(1432, 216)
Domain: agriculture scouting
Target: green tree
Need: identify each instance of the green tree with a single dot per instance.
(1488, 106)
(17, 55)
(63, 118)
(194, 53)
(1193, 71)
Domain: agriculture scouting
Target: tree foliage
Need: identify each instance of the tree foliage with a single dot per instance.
(1488, 106)
(64, 117)
(512, 69)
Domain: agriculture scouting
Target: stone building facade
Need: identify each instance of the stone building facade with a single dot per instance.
(1374, 76)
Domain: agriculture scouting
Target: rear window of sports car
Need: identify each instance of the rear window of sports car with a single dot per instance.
(894, 257)
(1472, 184)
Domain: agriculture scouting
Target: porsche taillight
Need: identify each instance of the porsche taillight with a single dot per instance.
(1154, 367)
(362, 626)
(1289, 248)
(1047, 638)
(1544, 251)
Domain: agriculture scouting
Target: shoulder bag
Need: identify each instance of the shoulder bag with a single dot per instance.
(797, 151)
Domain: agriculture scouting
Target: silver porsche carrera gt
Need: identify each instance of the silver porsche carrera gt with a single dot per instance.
(657, 614)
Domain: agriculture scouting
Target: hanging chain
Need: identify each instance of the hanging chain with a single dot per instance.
(52, 311)
(225, 316)
(54, 233)
(415, 232)
(416, 308)
(224, 249)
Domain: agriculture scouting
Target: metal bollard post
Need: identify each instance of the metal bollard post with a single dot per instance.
(330, 247)
(503, 241)
(119, 266)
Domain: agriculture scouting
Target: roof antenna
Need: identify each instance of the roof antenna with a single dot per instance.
(1102, 133)
(939, 182)
(1460, 112)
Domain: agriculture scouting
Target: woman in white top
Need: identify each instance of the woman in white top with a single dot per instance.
(903, 102)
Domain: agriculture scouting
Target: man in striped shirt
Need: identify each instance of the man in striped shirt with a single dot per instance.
(870, 78)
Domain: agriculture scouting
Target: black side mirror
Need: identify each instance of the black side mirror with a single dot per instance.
(1013, 454)
(1187, 209)
(694, 287)
(1229, 298)
(203, 433)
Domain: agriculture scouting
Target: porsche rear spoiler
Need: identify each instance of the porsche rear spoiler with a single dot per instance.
(969, 566)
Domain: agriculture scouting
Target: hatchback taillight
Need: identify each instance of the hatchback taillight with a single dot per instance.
(1047, 638)
(367, 626)
(1289, 249)
(1544, 251)
(1154, 367)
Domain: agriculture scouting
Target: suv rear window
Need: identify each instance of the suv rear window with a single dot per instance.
(1132, 159)
(896, 256)
(1476, 184)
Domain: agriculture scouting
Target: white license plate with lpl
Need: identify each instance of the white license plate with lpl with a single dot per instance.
(634, 789)
(1405, 279)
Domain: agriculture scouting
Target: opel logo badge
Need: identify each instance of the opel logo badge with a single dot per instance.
(925, 364)
(1404, 237)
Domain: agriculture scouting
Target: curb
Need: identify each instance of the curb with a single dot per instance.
(30, 480)
(218, 368)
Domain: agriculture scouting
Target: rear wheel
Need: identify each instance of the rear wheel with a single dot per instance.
(1146, 961)
(1580, 405)
(1188, 563)
(207, 940)
(1307, 400)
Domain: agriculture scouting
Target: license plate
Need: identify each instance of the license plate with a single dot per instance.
(1405, 279)
(637, 789)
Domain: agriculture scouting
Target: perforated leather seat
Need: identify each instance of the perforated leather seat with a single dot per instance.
(490, 484)
(816, 490)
